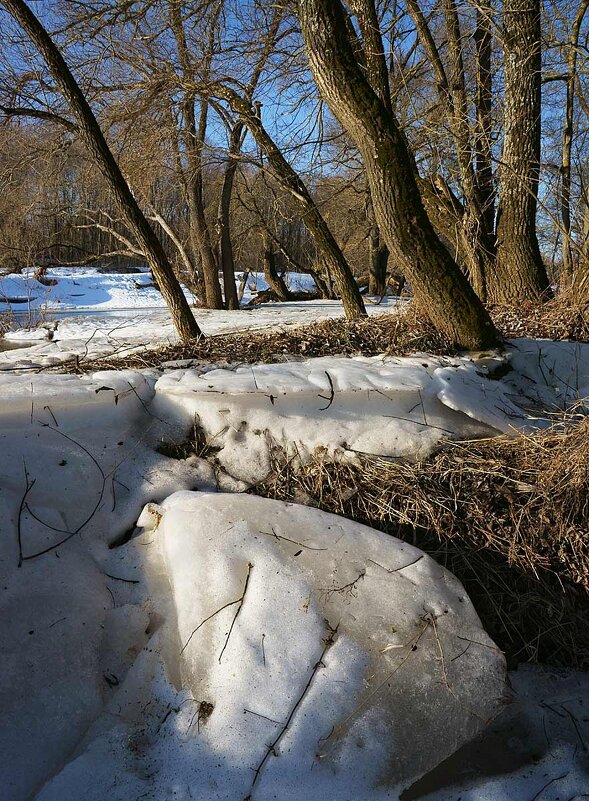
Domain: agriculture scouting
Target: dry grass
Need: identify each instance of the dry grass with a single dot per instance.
(399, 334)
(508, 515)
(557, 319)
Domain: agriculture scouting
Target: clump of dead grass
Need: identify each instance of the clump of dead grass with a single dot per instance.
(557, 319)
(406, 332)
(508, 515)
(396, 334)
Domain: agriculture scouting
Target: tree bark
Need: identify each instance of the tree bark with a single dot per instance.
(519, 272)
(273, 279)
(94, 140)
(378, 256)
(226, 259)
(438, 284)
(567, 142)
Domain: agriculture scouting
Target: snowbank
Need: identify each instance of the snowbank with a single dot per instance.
(98, 702)
(318, 659)
(385, 406)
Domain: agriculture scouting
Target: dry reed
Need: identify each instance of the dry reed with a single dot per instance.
(508, 515)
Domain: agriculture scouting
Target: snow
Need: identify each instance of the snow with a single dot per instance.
(89, 314)
(384, 406)
(536, 749)
(81, 288)
(97, 699)
(90, 289)
(371, 686)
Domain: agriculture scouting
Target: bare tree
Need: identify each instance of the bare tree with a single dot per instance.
(520, 271)
(93, 138)
(285, 173)
(567, 140)
(437, 281)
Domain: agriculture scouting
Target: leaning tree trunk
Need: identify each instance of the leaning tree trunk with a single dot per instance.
(275, 281)
(437, 281)
(323, 238)
(519, 272)
(93, 138)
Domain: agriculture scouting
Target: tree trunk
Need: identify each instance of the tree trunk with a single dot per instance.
(519, 272)
(274, 281)
(93, 138)
(567, 142)
(379, 257)
(438, 284)
(196, 206)
(193, 136)
(226, 259)
(324, 240)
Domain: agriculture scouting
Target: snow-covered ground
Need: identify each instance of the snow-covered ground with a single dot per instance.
(91, 314)
(166, 637)
(221, 646)
(89, 289)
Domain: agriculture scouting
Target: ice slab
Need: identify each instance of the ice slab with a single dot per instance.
(356, 654)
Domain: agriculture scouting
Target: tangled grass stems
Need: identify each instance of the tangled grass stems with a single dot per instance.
(406, 332)
(508, 515)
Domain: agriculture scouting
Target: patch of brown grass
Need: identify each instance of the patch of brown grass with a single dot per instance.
(400, 334)
(397, 334)
(556, 319)
(508, 515)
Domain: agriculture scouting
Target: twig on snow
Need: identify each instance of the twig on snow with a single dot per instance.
(225, 606)
(351, 585)
(69, 534)
(23, 502)
(271, 749)
(294, 542)
(241, 600)
(331, 395)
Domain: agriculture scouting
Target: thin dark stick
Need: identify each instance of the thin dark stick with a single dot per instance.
(28, 487)
(264, 717)
(556, 779)
(294, 542)
(241, 600)
(118, 578)
(225, 606)
(271, 750)
(69, 534)
(332, 393)
(349, 586)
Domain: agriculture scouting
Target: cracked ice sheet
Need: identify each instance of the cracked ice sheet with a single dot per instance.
(378, 710)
